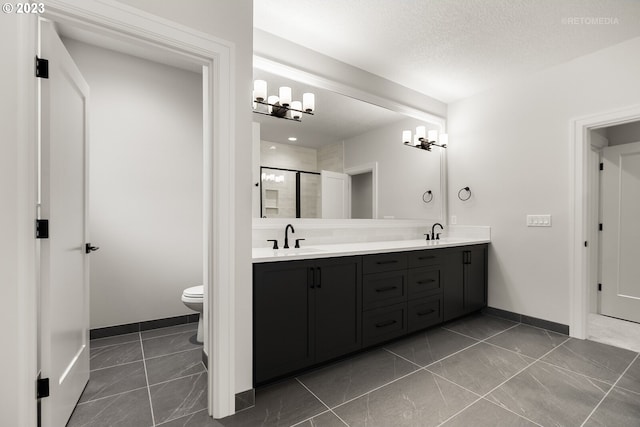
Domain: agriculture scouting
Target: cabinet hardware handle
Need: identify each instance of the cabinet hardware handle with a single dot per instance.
(387, 262)
(312, 279)
(386, 289)
(387, 323)
(426, 257)
(319, 276)
(424, 313)
(422, 282)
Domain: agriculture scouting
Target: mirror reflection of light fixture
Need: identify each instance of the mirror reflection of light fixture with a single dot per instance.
(281, 105)
(425, 140)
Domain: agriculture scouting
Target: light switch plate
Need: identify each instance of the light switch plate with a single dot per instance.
(538, 220)
(454, 219)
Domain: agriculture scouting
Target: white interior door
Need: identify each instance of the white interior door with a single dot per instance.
(335, 194)
(620, 295)
(64, 263)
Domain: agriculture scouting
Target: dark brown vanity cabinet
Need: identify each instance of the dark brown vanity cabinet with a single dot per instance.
(311, 311)
(465, 289)
(305, 312)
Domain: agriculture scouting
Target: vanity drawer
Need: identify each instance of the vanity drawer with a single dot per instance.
(383, 289)
(425, 312)
(384, 262)
(424, 258)
(424, 281)
(383, 324)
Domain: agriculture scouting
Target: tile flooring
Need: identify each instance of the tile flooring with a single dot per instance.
(478, 371)
(143, 379)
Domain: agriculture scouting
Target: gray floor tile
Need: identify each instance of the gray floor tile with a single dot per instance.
(550, 396)
(527, 340)
(168, 344)
(480, 368)
(328, 419)
(103, 357)
(281, 404)
(165, 368)
(177, 398)
(124, 410)
(420, 399)
(596, 360)
(118, 339)
(355, 376)
(631, 379)
(160, 332)
(621, 408)
(429, 346)
(116, 379)
(199, 419)
(486, 414)
(479, 326)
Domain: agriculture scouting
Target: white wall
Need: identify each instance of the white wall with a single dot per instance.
(146, 195)
(404, 173)
(511, 146)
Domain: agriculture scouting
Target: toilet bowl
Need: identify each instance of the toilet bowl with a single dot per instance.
(193, 298)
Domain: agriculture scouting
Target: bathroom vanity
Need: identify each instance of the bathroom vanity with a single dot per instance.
(318, 303)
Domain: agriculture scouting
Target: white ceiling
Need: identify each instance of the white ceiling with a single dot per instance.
(451, 49)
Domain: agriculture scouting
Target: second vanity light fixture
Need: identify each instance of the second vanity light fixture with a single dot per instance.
(281, 105)
(425, 140)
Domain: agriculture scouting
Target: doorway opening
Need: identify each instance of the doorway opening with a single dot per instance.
(363, 191)
(589, 140)
(142, 32)
(615, 203)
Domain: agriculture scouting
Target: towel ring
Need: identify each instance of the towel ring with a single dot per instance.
(460, 194)
(427, 196)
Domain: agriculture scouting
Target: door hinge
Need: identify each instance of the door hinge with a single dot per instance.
(601, 166)
(42, 228)
(42, 68)
(42, 388)
(600, 226)
(599, 286)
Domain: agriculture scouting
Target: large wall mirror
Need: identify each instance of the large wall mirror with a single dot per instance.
(347, 161)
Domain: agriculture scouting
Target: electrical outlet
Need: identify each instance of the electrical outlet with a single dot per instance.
(538, 220)
(454, 220)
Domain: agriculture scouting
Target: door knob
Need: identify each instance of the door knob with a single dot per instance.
(88, 248)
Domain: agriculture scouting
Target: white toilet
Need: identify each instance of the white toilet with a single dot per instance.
(193, 298)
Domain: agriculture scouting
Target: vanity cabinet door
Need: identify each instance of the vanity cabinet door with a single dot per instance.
(337, 298)
(465, 281)
(281, 326)
(475, 278)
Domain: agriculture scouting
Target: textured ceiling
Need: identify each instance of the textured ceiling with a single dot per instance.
(451, 49)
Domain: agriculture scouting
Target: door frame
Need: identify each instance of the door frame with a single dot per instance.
(217, 57)
(366, 168)
(581, 195)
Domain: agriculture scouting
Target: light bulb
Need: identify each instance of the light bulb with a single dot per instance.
(308, 102)
(406, 136)
(259, 90)
(285, 96)
(433, 136)
(296, 105)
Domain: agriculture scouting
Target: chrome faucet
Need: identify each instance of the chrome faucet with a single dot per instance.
(286, 235)
(435, 236)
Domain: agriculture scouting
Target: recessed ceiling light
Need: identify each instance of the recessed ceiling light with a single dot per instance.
(293, 138)
(273, 147)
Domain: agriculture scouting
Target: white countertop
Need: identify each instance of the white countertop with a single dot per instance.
(345, 249)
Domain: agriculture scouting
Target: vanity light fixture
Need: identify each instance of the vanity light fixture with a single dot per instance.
(281, 105)
(425, 140)
(292, 139)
